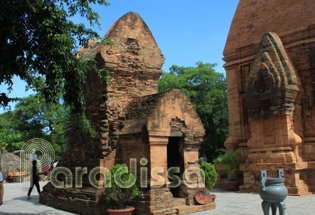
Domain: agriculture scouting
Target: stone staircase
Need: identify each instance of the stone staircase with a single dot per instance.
(302, 188)
(187, 209)
(178, 202)
(182, 208)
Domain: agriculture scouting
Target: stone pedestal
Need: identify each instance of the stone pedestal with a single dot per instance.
(293, 172)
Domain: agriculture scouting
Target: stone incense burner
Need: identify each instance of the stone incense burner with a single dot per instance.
(273, 192)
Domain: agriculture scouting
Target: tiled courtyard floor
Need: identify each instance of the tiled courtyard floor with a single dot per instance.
(16, 203)
(232, 203)
(228, 203)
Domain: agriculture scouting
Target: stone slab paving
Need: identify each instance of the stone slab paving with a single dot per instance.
(250, 204)
(228, 203)
(16, 203)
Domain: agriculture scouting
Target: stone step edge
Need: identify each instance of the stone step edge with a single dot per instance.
(195, 208)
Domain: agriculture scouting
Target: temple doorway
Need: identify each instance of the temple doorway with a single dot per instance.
(175, 159)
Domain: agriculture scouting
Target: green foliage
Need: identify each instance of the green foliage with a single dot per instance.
(9, 133)
(3, 147)
(39, 44)
(229, 163)
(206, 90)
(210, 174)
(34, 118)
(121, 192)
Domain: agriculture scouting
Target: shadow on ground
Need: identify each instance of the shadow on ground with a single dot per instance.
(18, 214)
(34, 200)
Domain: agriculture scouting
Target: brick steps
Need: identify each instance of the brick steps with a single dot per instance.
(299, 190)
(179, 202)
(194, 208)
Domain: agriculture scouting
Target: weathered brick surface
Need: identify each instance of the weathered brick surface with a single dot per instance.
(133, 120)
(271, 93)
(253, 18)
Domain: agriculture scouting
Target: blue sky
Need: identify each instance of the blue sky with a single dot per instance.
(186, 31)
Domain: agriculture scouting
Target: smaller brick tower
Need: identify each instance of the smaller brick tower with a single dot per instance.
(157, 130)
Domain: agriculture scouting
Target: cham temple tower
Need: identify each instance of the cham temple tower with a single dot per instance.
(270, 69)
(133, 121)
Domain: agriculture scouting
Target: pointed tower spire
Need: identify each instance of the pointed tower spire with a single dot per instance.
(135, 49)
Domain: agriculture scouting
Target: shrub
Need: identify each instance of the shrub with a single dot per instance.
(209, 173)
(121, 186)
(230, 163)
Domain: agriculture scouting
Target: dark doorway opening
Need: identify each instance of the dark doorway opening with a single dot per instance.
(175, 159)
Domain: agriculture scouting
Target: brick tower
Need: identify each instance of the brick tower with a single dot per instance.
(133, 121)
(270, 67)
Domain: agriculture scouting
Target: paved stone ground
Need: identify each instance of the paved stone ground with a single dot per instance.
(228, 203)
(250, 204)
(16, 203)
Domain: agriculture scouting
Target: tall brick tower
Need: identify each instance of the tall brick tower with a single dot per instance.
(270, 67)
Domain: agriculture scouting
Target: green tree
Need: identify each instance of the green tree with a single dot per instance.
(10, 138)
(38, 43)
(206, 90)
(33, 118)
